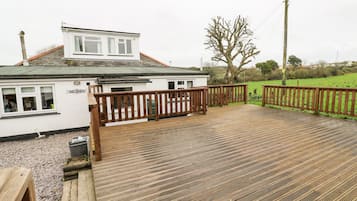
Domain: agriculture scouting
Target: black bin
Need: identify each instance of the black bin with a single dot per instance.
(78, 146)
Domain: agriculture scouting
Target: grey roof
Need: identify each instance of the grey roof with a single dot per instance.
(42, 72)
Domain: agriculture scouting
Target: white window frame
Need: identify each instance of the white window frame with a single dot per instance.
(187, 84)
(180, 86)
(20, 95)
(122, 41)
(114, 50)
(85, 38)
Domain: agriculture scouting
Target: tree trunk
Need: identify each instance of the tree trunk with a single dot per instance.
(229, 73)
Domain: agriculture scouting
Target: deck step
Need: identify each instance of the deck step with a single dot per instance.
(86, 190)
(81, 189)
(73, 166)
(70, 190)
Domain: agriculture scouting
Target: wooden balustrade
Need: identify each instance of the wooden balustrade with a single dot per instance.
(124, 106)
(94, 126)
(95, 88)
(219, 95)
(329, 100)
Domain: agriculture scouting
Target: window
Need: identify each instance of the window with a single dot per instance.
(93, 45)
(88, 45)
(180, 82)
(78, 44)
(121, 89)
(47, 98)
(111, 46)
(9, 99)
(27, 99)
(121, 46)
(128, 100)
(29, 103)
(189, 84)
(128, 47)
(171, 85)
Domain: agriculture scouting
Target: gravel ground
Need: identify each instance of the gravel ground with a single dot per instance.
(45, 157)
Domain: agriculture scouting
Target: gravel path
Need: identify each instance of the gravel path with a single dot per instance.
(45, 157)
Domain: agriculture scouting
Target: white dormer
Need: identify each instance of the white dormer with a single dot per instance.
(80, 43)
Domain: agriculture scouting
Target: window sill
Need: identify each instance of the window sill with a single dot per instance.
(93, 54)
(121, 55)
(29, 115)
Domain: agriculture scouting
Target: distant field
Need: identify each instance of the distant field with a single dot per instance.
(348, 80)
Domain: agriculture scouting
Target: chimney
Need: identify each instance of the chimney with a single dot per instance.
(24, 54)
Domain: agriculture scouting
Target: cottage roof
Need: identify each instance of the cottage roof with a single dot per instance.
(145, 59)
(44, 72)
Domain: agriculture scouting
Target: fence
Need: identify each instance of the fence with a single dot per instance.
(123, 106)
(329, 100)
(95, 88)
(219, 95)
(94, 126)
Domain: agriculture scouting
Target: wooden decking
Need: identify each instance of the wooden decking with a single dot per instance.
(240, 152)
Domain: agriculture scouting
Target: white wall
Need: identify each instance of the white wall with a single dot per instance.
(72, 109)
(160, 82)
(69, 49)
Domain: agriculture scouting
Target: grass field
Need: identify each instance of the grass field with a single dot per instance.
(348, 80)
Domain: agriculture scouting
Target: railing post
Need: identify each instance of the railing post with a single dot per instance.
(204, 100)
(95, 131)
(245, 94)
(221, 96)
(263, 98)
(156, 107)
(316, 100)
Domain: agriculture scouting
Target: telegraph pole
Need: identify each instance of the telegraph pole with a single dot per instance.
(285, 41)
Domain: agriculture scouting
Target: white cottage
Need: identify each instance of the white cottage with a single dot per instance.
(49, 95)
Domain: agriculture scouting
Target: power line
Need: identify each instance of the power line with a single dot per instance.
(273, 13)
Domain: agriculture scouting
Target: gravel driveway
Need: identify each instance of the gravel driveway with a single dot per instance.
(45, 157)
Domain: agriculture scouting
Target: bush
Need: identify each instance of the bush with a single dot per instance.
(254, 74)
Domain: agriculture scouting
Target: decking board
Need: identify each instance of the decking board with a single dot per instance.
(240, 152)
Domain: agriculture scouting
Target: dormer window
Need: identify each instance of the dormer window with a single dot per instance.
(128, 47)
(78, 42)
(81, 43)
(123, 47)
(111, 46)
(90, 44)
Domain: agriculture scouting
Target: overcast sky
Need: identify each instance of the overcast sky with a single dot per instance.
(173, 30)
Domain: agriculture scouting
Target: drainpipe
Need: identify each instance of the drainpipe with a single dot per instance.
(23, 48)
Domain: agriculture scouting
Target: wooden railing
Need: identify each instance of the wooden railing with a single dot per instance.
(219, 95)
(329, 100)
(95, 88)
(94, 126)
(123, 106)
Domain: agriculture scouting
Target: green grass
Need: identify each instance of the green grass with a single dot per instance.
(348, 81)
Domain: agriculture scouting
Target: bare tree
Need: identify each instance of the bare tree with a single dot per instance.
(231, 41)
